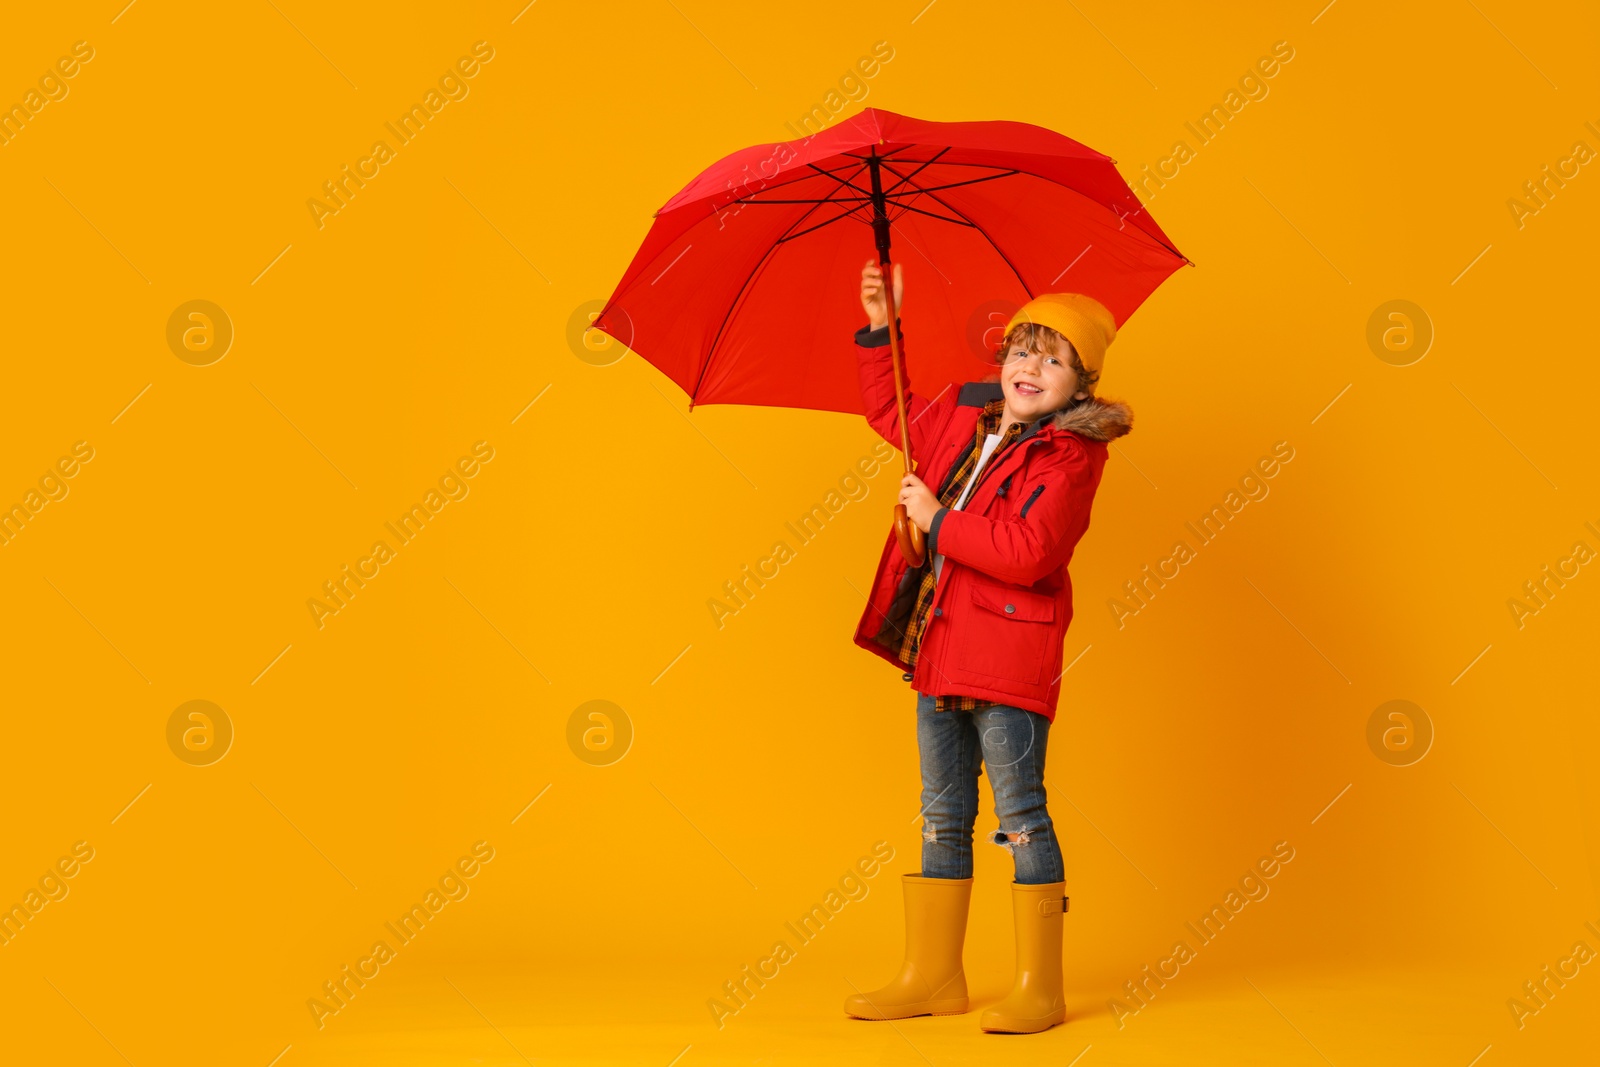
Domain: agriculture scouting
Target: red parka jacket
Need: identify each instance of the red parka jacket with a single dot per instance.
(999, 616)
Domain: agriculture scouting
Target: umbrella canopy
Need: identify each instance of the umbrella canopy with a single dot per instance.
(745, 289)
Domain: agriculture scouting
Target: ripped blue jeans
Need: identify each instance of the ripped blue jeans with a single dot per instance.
(1010, 742)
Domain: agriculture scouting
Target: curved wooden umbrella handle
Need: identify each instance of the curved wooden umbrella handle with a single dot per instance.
(910, 537)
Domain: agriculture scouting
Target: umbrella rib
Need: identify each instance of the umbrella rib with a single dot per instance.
(970, 181)
(824, 200)
(806, 214)
(780, 185)
(840, 170)
(882, 155)
(919, 170)
(904, 180)
(930, 214)
(992, 244)
(804, 177)
(790, 233)
(1122, 219)
(750, 199)
(826, 222)
(842, 181)
(977, 166)
(892, 189)
(888, 195)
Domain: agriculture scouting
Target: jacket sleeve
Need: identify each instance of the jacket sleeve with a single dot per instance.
(875, 366)
(1024, 549)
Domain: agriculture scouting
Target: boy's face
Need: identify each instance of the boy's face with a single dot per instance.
(1035, 384)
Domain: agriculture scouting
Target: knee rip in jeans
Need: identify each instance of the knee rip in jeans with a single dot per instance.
(929, 833)
(1010, 841)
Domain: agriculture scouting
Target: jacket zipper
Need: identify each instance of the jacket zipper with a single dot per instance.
(994, 463)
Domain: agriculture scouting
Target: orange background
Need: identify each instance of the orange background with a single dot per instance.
(769, 755)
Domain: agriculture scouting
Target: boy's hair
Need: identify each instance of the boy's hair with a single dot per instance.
(1037, 337)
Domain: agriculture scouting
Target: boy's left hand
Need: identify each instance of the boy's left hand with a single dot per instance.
(921, 504)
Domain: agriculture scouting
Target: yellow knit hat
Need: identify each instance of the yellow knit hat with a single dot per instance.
(1081, 319)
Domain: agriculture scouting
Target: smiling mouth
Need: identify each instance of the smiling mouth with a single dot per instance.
(1026, 390)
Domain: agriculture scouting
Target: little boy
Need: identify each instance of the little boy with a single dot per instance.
(979, 628)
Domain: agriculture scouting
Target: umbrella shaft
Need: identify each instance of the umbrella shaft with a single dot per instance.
(880, 215)
(894, 353)
(880, 231)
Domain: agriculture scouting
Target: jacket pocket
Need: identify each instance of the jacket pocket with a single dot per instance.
(1009, 632)
(1022, 605)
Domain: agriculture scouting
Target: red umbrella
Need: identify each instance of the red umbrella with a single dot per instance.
(742, 291)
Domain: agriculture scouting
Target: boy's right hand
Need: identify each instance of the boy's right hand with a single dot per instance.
(872, 295)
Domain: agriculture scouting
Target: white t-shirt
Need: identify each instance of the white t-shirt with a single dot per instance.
(989, 444)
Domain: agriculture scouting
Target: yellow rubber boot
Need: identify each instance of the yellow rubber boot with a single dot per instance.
(1035, 1002)
(931, 980)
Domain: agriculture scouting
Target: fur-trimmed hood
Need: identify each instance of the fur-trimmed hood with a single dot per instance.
(1096, 419)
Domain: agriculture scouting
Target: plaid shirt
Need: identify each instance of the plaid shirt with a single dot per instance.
(988, 423)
